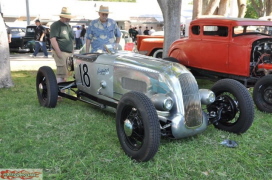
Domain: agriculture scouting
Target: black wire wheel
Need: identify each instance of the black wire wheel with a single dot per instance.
(46, 87)
(233, 109)
(137, 126)
(262, 94)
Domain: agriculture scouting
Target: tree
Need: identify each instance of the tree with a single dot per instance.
(241, 8)
(171, 14)
(5, 75)
(259, 7)
(268, 5)
(223, 7)
(213, 4)
(197, 8)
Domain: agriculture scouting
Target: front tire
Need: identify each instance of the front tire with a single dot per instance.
(233, 109)
(46, 87)
(137, 126)
(262, 94)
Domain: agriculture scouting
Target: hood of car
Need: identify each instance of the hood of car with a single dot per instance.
(249, 39)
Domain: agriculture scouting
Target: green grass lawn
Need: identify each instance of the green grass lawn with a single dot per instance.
(78, 141)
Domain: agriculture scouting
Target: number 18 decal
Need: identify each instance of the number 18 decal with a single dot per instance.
(85, 78)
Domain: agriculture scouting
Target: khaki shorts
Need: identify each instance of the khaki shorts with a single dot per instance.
(62, 71)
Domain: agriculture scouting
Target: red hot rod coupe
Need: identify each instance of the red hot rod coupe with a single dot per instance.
(230, 48)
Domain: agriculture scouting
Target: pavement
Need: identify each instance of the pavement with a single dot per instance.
(23, 61)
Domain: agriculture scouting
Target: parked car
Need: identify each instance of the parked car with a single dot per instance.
(151, 98)
(23, 39)
(29, 39)
(151, 45)
(17, 35)
(230, 48)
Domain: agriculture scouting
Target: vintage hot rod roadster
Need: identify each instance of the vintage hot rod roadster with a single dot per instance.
(151, 98)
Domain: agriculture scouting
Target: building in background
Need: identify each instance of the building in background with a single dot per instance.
(142, 13)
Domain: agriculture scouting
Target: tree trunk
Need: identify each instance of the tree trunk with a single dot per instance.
(197, 9)
(259, 7)
(223, 6)
(204, 5)
(213, 4)
(268, 7)
(241, 8)
(171, 16)
(5, 74)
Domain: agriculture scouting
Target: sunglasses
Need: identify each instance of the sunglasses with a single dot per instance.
(104, 14)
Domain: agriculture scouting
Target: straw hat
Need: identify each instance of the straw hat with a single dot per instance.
(104, 9)
(66, 13)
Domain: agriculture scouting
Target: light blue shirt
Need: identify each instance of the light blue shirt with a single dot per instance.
(102, 33)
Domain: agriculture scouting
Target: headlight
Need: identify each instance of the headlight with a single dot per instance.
(162, 102)
(206, 96)
(168, 104)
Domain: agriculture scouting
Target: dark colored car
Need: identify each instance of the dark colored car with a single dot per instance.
(29, 39)
(22, 39)
(17, 35)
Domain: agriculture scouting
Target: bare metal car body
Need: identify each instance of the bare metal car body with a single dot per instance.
(156, 79)
(151, 98)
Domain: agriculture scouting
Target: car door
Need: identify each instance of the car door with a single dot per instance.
(213, 48)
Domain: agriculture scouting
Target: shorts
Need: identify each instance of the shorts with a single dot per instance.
(62, 71)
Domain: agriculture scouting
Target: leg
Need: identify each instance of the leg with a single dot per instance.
(37, 48)
(43, 44)
(62, 72)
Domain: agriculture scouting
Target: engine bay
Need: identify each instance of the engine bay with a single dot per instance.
(261, 58)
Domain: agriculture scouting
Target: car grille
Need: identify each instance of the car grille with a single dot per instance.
(191, 100)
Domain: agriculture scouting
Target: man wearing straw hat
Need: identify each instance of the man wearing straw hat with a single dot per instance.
(102, 31)
(61, 37)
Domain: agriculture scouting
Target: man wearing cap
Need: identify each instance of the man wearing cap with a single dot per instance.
(102, 31)
(40, 39)
(61, 37)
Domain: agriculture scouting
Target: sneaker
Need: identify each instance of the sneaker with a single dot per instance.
(32, 56)
(45, 56)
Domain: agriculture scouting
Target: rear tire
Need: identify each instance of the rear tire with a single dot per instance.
(46, 87)
(137, 126)
(158, 53)
(262, 94)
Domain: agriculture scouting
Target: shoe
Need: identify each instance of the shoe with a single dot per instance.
(32, 56)
(59, 98)
(45, 56)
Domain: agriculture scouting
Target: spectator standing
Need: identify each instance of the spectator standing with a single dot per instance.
(130, 31)
(146, 31)
(102, 31)
(40, 40)
(82, 34)
(134, 34)
(151, 31)
(140, 32)
(61, 36)
(78, 40)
